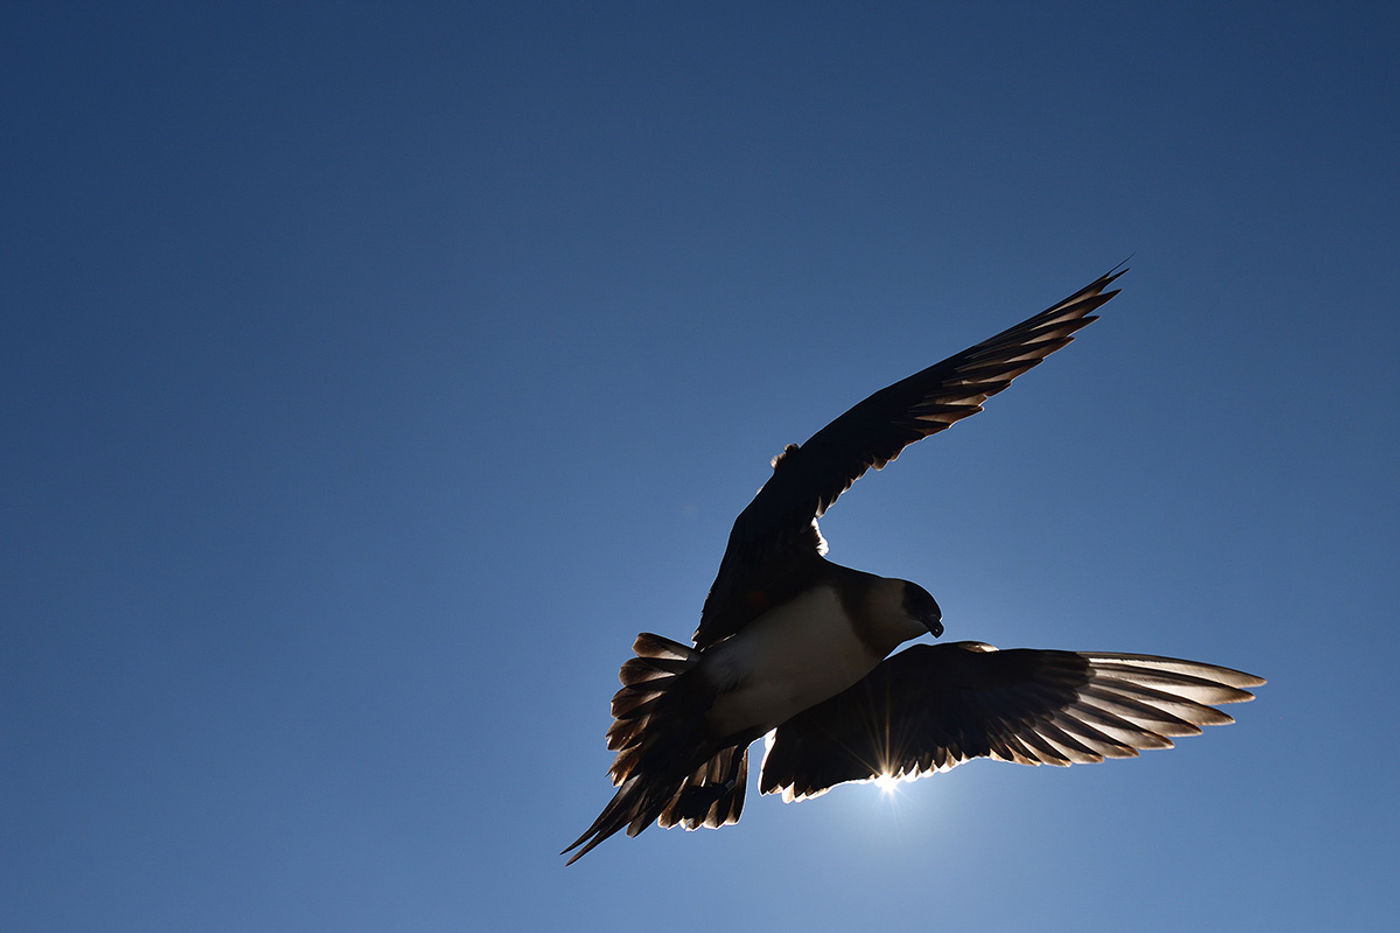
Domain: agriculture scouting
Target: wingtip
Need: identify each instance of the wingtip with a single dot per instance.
(1107, 279)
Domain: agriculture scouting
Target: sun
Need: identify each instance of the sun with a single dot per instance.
(886, 782)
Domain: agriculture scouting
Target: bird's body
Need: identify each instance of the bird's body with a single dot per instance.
(792, 643)
(794, 656)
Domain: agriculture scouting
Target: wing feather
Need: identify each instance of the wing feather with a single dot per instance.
(933, 707)
(776, 536)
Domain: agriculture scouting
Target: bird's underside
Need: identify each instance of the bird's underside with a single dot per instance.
(796, 646)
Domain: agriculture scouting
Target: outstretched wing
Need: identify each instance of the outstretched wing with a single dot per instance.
(933, 707)
(778, 530)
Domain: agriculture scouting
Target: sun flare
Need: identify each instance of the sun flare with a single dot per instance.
(887, 783)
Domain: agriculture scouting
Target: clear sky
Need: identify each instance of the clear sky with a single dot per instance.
(371, 374)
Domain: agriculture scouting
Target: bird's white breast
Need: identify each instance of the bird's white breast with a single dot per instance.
(788, 659)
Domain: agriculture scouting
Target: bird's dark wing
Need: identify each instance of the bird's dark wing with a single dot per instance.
(933, 707)
(776, 535)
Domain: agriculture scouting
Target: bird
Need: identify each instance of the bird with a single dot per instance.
(797, 648)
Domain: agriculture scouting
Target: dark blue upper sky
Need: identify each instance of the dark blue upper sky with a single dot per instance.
(373, 373)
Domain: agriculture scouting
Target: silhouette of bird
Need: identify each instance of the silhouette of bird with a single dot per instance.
(795, 645)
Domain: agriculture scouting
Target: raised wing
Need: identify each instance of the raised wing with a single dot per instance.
(778, 526)
(933, 707)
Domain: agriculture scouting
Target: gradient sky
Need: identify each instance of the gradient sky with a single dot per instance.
(373, 373)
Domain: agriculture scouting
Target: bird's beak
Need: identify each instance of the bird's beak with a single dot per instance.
(934, 621)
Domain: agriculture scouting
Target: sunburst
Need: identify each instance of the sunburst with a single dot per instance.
(886, 782)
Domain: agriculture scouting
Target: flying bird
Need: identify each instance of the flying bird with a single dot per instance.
(797, 647)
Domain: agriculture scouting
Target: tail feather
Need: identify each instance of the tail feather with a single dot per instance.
(647, 679)
(658, 736)
(713, 796)
(634, 806)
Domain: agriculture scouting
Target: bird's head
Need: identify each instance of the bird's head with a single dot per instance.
(922, 607)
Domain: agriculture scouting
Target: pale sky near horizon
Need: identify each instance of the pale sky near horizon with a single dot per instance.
(373, 373)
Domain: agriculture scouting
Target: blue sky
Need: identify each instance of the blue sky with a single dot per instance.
(373, 373)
